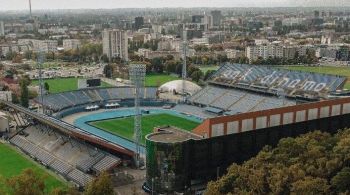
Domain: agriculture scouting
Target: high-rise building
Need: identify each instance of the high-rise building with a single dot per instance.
(316, 13)
(115, 43)
(69, 44)
(197, 19)
(264, 51)
(139, 22)
(216, 17)
(40, 45)
(2, 28)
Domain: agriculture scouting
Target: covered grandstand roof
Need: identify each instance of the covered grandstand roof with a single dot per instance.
(177, 85)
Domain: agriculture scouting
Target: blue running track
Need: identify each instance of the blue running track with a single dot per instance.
(83, 121)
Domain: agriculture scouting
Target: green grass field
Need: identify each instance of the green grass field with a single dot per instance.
(156, 80)
(13, 163)
(125, 127)
(342, 71)
(205, 69)
(64, 84)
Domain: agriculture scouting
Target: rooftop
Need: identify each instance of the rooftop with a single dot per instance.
(171, 135)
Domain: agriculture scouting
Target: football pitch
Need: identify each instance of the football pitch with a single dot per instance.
(13, 163)
(124, 127)
(156, 80)
(59, 85)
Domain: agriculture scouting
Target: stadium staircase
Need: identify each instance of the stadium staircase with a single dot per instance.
(87, 95)
(109, 94)
(260, 102)
(236, 102)
(98, 95)
(201, 92)
(68, 100)
(218, 98)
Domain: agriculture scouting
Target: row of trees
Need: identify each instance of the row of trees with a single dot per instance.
(86, 53)
(314, 163)
(136, 45)
(30, 182)
(309, 58)
(159, 65)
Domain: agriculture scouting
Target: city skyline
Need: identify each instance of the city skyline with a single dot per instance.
(109, 4)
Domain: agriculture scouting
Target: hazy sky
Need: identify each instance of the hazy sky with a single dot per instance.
(95, 4)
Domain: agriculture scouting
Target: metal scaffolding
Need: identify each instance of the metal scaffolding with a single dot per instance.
(137, 74)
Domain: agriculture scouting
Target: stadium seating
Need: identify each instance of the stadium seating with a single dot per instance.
(234, 101)
(61, 167)
(85, 164)
(229, 98)
(60, 101)
(79, 177)
(66, 156)
(106, 163)
(243, 73)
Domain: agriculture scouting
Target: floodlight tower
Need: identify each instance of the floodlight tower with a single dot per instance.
(184, 65)
(41, 81)
(30, 9)
(137, 74)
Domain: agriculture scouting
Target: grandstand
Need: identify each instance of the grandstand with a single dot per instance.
(269, 79)
(233, 101)
(61, 101)
(241, 88)
(75, 160)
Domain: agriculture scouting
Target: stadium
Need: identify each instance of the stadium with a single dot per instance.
(186, 144)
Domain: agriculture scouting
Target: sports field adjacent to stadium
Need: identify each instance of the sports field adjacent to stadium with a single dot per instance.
(59, 85)
(341, 71)
(124, 127)
(13, 163)
(156, 80)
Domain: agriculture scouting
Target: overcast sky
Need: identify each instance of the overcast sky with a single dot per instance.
(95, 4)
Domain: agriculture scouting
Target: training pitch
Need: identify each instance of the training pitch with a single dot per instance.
(12, 163)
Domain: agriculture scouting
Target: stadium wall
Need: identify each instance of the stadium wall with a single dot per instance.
(226, 125)
(211, 157)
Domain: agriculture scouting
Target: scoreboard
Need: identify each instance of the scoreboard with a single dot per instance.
(88, 83)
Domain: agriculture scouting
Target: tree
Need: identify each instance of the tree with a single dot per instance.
(314, 163)
(15, 98)
(46, 86)
(60, 191)
(28, 55)
(108, 71)
(24, 99)
(27, 183)
(197, 75)
(208, 74)
(17, 58)
(341, 181)
(104, 58)
(310, 185)
(157, 65)
(192, 69)
(100, 185)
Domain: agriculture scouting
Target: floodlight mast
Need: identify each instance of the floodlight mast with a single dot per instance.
(137, 74)
(41, 81)
(184, 65)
